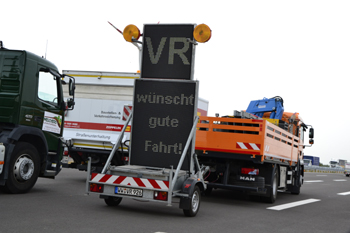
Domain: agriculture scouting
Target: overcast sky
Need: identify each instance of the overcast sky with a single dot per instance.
(299, 50)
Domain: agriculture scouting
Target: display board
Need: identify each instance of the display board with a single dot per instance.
(163, 115)
(166, 51)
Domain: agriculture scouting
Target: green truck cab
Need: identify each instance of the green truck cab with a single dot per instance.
(32, 111)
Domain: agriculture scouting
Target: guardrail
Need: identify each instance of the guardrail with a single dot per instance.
(323, 169)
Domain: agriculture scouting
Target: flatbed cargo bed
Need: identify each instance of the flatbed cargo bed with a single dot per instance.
(257, 138)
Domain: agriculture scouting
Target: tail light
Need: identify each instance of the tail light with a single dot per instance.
(249, 171)
(160, 195)
(65, 151)
(97, 188)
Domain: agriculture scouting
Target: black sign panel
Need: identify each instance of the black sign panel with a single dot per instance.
(166, 52)
(163, 115)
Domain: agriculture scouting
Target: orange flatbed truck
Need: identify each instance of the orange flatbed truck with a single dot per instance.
(253, 154)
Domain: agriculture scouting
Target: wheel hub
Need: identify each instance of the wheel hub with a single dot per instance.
(23, 169)
(195, 201)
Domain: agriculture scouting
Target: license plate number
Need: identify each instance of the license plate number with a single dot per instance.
(128, 191)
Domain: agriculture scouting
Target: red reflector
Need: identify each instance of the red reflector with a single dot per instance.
(65, 153)
(249, 171)
(98, 188)
(163, 196)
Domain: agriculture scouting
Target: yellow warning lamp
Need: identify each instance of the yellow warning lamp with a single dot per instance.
(131, 32)
(202, 33)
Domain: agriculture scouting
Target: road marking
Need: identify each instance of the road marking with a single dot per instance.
(321, 175)
(313, 181)
(293, 204)
(346, 193)
(340, 180)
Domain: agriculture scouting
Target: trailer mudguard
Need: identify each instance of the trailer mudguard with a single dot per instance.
(188, 188)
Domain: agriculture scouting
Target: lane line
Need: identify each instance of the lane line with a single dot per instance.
(340, 180)
(345, 193)
(313, 181)
(293, 204)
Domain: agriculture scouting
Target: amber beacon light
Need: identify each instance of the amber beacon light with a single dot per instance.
(131, 32)
(202, 33)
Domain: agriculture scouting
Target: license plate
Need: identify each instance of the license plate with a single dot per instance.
(128, 191)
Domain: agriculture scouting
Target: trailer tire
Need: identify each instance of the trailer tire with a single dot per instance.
(113, 201)
(194, 203)
(24, 168)
(273, 189)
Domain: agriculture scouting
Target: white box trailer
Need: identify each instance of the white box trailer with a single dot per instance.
(103, 103)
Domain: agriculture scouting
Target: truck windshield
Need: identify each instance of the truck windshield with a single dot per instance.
(47, 89)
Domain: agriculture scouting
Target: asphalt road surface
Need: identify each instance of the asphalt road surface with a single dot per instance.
(60, 205)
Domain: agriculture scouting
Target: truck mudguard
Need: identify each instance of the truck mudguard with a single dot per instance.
(4, 174)
(21, 130)
(15, 135)
(269, 178)
(188, 188)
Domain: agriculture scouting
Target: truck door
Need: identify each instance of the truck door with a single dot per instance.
(51, 106)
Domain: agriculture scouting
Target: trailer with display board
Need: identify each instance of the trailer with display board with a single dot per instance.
(162, 163)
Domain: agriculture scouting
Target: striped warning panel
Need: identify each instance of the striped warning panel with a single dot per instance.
(248, 146)
(126, 112)
(130, 181)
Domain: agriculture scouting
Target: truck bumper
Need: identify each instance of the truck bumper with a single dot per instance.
(237, 187)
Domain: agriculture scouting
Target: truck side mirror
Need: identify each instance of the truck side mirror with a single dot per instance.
(71, 90)
(71, 87)
(311, 133)
(70, 103)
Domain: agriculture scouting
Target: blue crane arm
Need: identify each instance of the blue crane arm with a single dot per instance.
(273, 105)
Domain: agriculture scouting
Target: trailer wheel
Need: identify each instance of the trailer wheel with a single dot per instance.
(194, 203)
(273, 190)
(113, 201)
(24, 168)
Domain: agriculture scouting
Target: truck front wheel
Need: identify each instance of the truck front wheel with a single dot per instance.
(24, 168)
